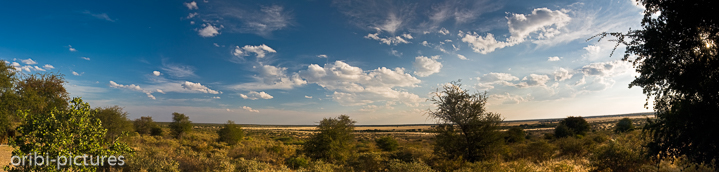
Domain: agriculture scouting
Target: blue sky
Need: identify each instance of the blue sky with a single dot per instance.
(295, 62)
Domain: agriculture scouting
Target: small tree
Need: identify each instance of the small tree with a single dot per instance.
(574, 126)
(70, 132)
(114, 119)
(515, 134)
(466, 130)
(333, 140)
(180, 125)
(231, 133)
(387, 143)
(624, 125)
(144, 125)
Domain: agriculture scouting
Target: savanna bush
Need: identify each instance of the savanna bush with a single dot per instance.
(231, 133)
(387, 143)
(181, 125)
(401, 166)
(575, 147)
(368, 162)
(617, 157)
(514, 135)
(298, 162)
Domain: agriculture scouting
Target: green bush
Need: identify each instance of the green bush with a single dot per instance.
(180, 125)
(298, 162)
(157, 131)
(401, 166)
(624, 125)
(571, 126)
(617, 157)
(114, 119)
(514, 135)
(368, 162)
(537, 151)
(333, 141)
(387, 143)
(574, 147)
(144, 125)
(231, 133)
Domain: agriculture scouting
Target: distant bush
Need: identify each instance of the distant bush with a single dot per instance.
(617, 157)
(114, 119)
(144, 125)
(514, 135)
(231, 133)
(624, 125)
(571, 126)
(368, 162)
(298, 162)
(157, 131)
(401, 166)
(574, 147)
(387, 143)
(180, 125)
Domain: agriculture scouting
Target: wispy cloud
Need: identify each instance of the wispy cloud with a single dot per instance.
(102, 16)
(178, 70)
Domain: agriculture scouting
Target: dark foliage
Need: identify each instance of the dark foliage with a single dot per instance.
(624, 125)
(675, 53)
(571, 126)
(180, 125)
(114, 119)
(231, 133)
(387, 143)
(333, 140)
(144, 125)
(465, 128)
(514, 135)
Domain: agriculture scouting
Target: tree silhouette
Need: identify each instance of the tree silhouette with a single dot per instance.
(180, 125)
(675, 53)
(333, 140)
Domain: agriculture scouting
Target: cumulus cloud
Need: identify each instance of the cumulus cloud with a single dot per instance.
(28, 61)
(198, 87)
(77, 74)
(134, 87)
(322, 56)
(85, 58)
(156, 73)
(443, 31)
(71, 49)
(29, 66)
(209, 30)
(353, 86)
(250, 109)
(47, 66)
(540, 24)
(533, 80)
(191, 5)
(309, 97)
(461, 57)
(507, 98)
(606, 69)
(260, 51)
(562, 74)
(387, 40)
(425, 66)
(498, 78)
(553, 59)
(271, 77)
(254, 95)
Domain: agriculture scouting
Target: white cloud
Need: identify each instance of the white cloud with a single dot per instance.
(271, 77)
(387, 40)
(443, 31)
(160, 91)
(352, 86)
(250, 109)
(240, 18)
(216, 97)
(309, 97)
(426, 66)
(209, 30)
(77, 74)
(254, 95)
(562, 74)
(369, 108)
(553, 59)
(28, 61)
(156, 73)
(259, 50)
(395, 53)
(191, 5)
(461, 57)
(407, 35)
(102, 16)
(533, 80)
(507, 98)
(191, 15)
(72, 49)
(606, 69)
(486, 44)
(134, 87)
(425, 43)
(177, 70)
(47, 66)
(322, 56)
(198, 87)
(592, 49)
(498, 78)
(85, 58)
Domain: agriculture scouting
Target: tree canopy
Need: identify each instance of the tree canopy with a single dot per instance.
(465, 127)
(333, 139)
(180, 125)
(572, 126)
(114, 119)
(675, 53)
(231, 133)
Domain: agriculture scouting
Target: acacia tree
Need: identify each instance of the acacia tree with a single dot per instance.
(333, 140)
(675, 53)
(572, 126)
(180, 125)
(231, 133)
(114, 119)
(466, 130)
(145, 125)
(624, 125)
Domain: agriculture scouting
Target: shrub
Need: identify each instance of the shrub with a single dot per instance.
(333, 140)
(231, 133)
(514, 135)
(537, 151)
(298, 162)
(368, 162)
(144, 125)
(624, 125)
(574, 147)
(244, 165)
(401, 166)
(617, 157)
(387, 143)
(114, 119)
(157, 131)
(72, 131)
(180, 125)
(572, 126)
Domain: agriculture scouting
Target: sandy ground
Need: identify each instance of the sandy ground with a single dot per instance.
(5, 154)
